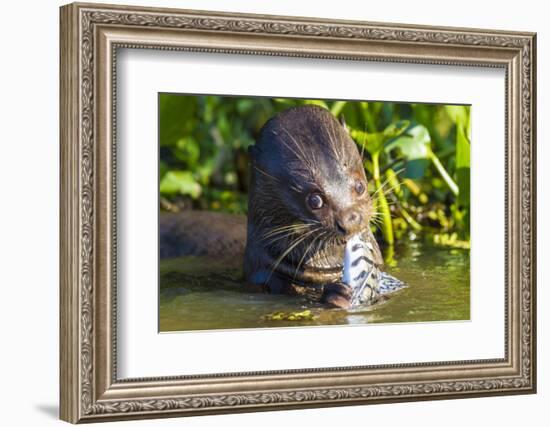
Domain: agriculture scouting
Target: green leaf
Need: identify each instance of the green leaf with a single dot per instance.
(373, 142)
(383, 207)
(415, 147)
(224, 127)
(244, 106)
(414, 144)
(317, 102)
(177, 117)
(163, 168)
(187, 150)
(459, 114)
(463, 166)
(337, 107)
(180, 182)
(396, 129)
(444, 174)
(462, 149)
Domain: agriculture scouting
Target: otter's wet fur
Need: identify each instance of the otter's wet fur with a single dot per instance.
(308, 195)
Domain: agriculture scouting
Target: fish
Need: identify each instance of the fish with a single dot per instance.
(363, 276)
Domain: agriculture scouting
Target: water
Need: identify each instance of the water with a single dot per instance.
(199, 293)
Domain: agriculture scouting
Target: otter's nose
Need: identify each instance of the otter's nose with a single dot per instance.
(348, 222)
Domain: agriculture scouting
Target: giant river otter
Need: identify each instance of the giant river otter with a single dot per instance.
(309, 212)
(308, 197)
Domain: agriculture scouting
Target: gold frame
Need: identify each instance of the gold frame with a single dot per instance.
(90, 36)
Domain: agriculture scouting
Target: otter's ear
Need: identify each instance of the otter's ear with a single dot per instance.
(342, 121)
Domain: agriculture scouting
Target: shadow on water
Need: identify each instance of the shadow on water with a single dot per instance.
(201, 293)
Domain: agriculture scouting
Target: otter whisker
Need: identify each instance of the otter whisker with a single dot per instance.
(390, 189)
(317, 254)
(381, 187)
(296, 242)
(377, 223)
(326, 241)
(286, 228)
(376, 215)
(285, 235)
(298, 156)
(386, 182)
(295, 226)
(393, 203)
(362, 142)
(304, 255)
(265, 173)
(398, 171)
(282, 236)
(302, 154)
(332, 139)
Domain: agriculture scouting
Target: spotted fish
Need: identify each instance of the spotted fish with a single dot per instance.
(363, 276)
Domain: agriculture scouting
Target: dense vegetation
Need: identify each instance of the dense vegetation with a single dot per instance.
(417, 157)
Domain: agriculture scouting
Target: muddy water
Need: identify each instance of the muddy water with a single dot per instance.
(199, 293)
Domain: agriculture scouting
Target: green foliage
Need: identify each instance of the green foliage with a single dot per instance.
(417, 156)
(180, 182)
(414, 146)
(463, 155)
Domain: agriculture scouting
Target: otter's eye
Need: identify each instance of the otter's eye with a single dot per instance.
(359, 187)
(315, 201)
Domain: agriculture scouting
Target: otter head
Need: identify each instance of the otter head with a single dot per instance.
(307, 170)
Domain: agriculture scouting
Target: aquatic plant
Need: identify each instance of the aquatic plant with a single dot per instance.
(417, 156)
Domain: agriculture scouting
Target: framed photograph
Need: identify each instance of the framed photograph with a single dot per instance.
(266, 212)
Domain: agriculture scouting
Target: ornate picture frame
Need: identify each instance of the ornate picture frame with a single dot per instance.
(90, 37)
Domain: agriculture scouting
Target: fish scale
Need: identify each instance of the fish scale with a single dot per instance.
(363, 276)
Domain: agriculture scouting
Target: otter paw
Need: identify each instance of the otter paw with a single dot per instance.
(337, 295)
